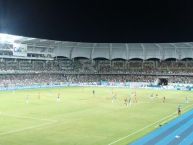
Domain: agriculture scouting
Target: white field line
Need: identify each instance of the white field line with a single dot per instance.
(137, 131)
(24, 129)
(26, 117)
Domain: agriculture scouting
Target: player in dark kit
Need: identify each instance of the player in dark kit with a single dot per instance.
(126, 101)
(58, 97)
(164, 99)
(93, 92)
(179, 110)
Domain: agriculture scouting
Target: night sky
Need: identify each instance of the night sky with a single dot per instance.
(99, 21)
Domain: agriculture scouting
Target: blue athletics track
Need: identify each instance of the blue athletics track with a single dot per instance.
(177, 132)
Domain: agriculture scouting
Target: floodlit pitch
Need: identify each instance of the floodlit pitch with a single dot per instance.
(38, 117)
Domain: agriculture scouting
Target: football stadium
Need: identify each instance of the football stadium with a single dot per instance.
(77, 93)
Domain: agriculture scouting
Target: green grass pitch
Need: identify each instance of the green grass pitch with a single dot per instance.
(80, 118)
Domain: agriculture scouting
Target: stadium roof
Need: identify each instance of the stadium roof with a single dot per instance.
(107, 50)
(54, 43)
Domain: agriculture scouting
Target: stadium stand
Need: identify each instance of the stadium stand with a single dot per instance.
(40, 61)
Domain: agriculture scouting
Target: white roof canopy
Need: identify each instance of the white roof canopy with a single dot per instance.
(126, 51)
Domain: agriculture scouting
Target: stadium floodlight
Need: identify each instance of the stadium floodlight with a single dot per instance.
(7, 38)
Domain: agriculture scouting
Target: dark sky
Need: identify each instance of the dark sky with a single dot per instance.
(99, 21)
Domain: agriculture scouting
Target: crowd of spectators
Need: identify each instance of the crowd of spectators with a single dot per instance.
(97, 66)
(13, 80)
(9, 80)
(30, 72)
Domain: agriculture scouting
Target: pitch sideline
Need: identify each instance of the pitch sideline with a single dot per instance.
(166, 117)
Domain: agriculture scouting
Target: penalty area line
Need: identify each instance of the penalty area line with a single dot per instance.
(137, 131)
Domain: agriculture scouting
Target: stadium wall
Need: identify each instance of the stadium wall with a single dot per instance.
(131, 85)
